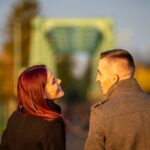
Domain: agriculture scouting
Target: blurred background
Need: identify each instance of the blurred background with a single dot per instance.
(68, 37)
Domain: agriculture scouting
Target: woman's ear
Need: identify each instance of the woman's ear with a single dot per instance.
(116, 78)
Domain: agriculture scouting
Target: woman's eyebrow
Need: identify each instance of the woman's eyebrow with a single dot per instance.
(53, 79)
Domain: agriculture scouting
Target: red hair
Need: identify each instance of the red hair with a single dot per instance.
(31, 91)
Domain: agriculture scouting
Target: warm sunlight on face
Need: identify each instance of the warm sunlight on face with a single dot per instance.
(104, 75)
(53, 88)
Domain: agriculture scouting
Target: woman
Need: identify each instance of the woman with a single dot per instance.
(37, 123)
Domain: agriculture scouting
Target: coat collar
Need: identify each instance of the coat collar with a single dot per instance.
(55, 107)
(123, 86)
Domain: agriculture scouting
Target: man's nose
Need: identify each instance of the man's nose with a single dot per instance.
(97, 78)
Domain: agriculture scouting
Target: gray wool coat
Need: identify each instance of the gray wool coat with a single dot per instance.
(122, 120)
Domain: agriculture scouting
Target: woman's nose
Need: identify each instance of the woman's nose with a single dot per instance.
(58, 81)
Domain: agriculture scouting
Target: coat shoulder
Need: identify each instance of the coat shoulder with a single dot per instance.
(99, 104)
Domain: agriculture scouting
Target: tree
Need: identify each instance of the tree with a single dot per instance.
(18, 26)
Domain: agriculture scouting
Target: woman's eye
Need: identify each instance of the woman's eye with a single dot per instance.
(54, 80)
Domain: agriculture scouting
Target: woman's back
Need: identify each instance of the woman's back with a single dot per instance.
(37, 123)
(26, 132)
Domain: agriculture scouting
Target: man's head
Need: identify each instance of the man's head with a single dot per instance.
(114, 65)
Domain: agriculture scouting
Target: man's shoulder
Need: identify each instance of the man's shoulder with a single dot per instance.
(106, 108)
(98, 104)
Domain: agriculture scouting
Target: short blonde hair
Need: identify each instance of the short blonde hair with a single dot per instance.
(120, 54)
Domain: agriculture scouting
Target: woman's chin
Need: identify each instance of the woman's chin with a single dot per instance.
(59, 95)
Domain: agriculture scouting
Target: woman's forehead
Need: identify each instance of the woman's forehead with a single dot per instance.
(50, 74)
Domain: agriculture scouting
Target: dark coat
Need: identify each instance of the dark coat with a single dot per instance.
(26, 132)
(122, 121)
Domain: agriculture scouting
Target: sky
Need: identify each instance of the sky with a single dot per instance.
(131, 18)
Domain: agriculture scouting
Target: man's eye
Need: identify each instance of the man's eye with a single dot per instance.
(99, 73)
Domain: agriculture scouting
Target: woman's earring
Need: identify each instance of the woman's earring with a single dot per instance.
(44, 95)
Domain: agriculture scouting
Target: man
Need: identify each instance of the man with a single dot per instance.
(122, 120)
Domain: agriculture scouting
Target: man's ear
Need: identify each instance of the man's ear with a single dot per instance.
(116, 78)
